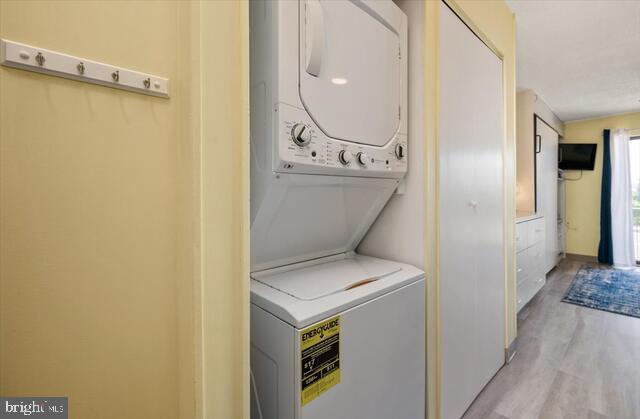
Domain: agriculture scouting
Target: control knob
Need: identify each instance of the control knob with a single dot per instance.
(300, 135)
(362, 158)
(345, 157)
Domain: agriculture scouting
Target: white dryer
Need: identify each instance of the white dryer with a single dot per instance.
(329, 101)
(328, 148)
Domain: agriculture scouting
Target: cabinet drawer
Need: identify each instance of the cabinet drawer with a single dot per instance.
(535, 232)
(527, 289)
(521, 236)
(523, 293)
(536, 284)
(522, 265)
(536, 256)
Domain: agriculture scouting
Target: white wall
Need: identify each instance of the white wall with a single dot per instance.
(398, 233)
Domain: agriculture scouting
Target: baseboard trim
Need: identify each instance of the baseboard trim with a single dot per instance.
(582, 258)
(510, 352)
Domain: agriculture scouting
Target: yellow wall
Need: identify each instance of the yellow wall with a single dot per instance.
(493, 21)
(224, 52)
(109, 230)
(583, 196)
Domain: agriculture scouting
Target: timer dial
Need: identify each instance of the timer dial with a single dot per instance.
(300, 135)
(362, 159)
(345, 157)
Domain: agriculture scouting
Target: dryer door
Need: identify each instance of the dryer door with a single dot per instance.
(350, 68)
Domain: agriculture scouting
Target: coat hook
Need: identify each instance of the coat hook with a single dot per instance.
(40, 59)
(81, 69)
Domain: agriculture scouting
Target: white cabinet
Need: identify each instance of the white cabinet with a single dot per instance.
(530, 257)
(471, 229)
(547, 188)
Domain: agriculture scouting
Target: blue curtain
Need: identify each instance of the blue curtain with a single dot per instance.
(605, 249)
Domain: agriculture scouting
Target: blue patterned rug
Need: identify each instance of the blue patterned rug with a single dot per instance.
(608, 289)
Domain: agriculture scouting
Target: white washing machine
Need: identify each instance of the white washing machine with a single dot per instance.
(333, 334)
(324, 347)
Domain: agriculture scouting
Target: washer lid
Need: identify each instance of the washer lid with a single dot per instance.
(351, 75)
(328, 278)
(308, 294)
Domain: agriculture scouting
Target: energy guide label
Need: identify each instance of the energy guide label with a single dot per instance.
(320, 358)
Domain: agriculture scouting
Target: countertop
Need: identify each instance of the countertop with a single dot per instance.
(522, 216)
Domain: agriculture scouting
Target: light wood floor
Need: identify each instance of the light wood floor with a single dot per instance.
(572, 362)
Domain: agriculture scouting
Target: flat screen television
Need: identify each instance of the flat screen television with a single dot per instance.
(573, 156)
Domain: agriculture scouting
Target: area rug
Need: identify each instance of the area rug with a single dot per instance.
(609, 289)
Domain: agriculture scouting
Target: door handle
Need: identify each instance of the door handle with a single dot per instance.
(538, 145)
(560, 156)
(314, 36)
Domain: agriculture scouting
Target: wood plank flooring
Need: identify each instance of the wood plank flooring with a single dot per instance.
(572, 361)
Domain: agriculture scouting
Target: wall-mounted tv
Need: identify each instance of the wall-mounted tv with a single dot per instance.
(573, 156)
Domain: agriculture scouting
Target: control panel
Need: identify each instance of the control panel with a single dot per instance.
(304, 148)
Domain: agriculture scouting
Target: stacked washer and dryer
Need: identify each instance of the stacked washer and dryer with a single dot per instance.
(334, 334)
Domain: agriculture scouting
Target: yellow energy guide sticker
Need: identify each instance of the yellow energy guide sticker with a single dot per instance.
(320, 349)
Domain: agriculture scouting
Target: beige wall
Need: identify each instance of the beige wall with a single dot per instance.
(583, 196)
(112, 248)
(493, 21)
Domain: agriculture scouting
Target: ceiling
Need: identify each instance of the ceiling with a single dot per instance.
(581, 57)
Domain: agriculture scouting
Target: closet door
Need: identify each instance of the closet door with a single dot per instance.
(471, 215)
(547, 188)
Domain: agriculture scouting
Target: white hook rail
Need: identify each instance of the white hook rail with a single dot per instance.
(40, 60)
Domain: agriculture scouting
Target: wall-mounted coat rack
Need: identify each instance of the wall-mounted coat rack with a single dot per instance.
(27, 57)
